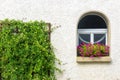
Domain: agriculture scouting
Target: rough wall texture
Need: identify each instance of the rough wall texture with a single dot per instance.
(67, 13)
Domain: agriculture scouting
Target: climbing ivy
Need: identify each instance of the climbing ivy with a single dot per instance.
(25, 51)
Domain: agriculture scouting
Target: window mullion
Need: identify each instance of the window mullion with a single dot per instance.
(92, 38)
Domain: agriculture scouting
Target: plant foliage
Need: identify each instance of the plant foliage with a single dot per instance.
(25, 51)
(93, 50)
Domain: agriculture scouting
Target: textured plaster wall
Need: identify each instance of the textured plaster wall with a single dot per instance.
(66, 13)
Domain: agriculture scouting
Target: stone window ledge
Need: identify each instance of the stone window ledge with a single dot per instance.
(95, 59)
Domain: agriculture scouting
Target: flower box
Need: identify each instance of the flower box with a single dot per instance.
(93, 53)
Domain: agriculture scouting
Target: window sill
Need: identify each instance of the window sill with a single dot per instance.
(95, 59)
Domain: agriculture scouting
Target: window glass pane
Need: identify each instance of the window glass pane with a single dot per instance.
(92, 22)
(100, 38)
(84, 38)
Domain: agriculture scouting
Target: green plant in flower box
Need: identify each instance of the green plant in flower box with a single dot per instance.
(93, 50)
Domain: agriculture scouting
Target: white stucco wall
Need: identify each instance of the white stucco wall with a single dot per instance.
(67, 13)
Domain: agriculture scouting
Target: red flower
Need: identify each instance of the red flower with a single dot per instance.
(93, 50)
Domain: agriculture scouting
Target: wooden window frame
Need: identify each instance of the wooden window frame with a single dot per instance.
(92, 32)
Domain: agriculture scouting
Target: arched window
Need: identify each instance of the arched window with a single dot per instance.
(93, 30)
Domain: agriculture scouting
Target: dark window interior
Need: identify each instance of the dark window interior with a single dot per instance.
(85, 37)
(92, 22)
(98, 37)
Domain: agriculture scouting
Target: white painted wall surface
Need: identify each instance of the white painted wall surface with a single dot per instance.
(67, 13)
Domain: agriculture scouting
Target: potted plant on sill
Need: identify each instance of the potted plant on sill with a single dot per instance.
(92, 50)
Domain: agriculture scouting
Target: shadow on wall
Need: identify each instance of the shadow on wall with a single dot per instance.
(91, 63)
